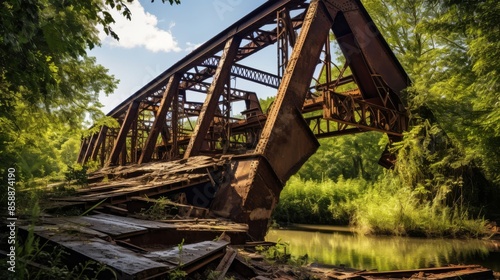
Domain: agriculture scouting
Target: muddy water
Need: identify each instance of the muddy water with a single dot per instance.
(338, 246)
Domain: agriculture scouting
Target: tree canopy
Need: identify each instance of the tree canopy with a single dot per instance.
(49, 86)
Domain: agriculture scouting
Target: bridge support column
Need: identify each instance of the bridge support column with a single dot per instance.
(88, 152)
(132, 112)
(286, 141)
(159, 122)
(212, 100)
(99, 142)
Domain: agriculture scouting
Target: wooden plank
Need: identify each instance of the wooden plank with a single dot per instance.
(190, 252)
(409, 273)
(149, 189)
(221, 228)
(226, 262)
(54, 226)
(115, 229)
(117, 185)
(126, 263)
(473, 274)
(122, 135)
(184, 210)
(135, 222)
(52, 206)
(115, 210)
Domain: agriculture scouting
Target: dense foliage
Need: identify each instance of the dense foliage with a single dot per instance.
(446, 179)
(49, 90)
(49, 86)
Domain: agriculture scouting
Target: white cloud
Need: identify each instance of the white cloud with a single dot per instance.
(141, 31)
(191, 46)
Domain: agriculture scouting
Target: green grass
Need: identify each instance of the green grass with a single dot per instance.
(384, 207)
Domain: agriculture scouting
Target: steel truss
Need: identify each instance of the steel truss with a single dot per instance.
(189, 109)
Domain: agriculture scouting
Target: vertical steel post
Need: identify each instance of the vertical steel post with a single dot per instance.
(168, 95)
(212, 100)
(120, 142)
(99, 142)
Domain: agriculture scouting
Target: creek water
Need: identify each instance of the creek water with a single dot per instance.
(339, 246)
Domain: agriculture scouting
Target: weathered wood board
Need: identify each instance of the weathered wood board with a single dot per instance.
(115, 229)
(151, 225)
(190, 252)
(127, 264)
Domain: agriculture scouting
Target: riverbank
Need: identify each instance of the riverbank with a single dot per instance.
(386, 207)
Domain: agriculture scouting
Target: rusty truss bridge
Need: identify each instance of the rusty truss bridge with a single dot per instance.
(200, 129)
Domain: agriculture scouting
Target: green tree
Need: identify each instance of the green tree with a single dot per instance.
(348, 156)
(441, 154)
(470, 32)
(47, 80)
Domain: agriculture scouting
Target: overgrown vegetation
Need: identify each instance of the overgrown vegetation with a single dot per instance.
(446, 180)
(42, 260)
(280, 254)
(77, 174)
(161, 209)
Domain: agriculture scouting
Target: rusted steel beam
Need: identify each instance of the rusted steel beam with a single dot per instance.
(287, 154)
(122, 159)
(372, 62)
(354, 56)
(133, 141)
(265, 14)
(236, 94)
(376, 51)
(286, 140)
(104, 150)
(122, 135)
(286, 38)
(247, 73)
(213, 95)
(159, 123)
(99, 142)
(88, 152)
(190, 79)
(323, 128)
(364, 115)
(83, 149)
(260, 39)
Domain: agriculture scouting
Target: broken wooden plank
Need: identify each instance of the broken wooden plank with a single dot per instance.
(103, 187)
(155, 188)
(188, 253)
(114, 229)
(56, 226)
(151, 225)
(425, 271)
(62, 206)
(226, 262)
(115, 210)
(137, 204)
(473, 274)
(127, 264)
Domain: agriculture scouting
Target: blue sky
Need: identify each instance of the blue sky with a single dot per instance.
(158, 35)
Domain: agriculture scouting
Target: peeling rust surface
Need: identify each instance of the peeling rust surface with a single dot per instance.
(231, 167)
